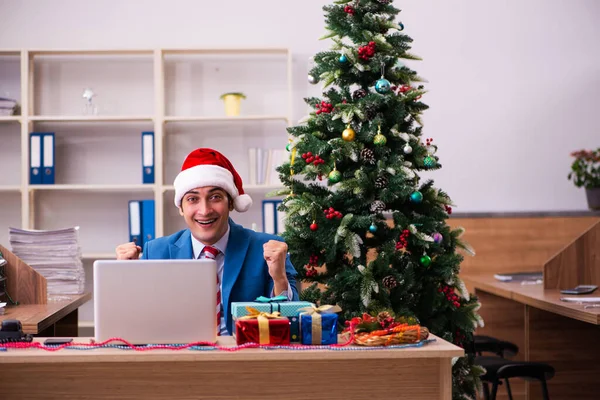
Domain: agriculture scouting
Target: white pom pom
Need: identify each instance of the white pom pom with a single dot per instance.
(242, 203)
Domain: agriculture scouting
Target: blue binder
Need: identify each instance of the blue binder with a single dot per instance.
(135, 222)
(148, 221)
(272, 221)
(48, 158)
(35, 158)
(148, 157)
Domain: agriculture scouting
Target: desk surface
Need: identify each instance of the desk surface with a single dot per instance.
(437, 349)
(37, 317)
(535, 296)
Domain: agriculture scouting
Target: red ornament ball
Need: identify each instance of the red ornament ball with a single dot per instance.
(314, 226)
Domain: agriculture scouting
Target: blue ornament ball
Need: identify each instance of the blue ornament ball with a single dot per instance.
(373, 228)
(416, 197)
(343, 58)
(382, 86)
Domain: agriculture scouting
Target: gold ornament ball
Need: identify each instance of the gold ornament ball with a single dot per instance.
(379, 140)
(348, 135)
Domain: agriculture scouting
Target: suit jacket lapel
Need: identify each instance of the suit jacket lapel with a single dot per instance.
(235, 254)
(182, 248)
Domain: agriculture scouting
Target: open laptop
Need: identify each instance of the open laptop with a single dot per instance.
(155, 301)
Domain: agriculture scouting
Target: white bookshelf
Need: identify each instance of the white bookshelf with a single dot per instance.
(173, 92)
(4, 118)
(89, 118)
(229, 119)
(97, 188)
(10, 188)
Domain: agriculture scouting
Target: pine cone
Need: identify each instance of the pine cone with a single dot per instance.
(381, 182)
(370, 111)
(382, 316)
(390, 282)
(368, 156)
(377, 206)
(359, 94)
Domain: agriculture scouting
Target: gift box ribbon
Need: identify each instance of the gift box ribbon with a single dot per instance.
(263, 299)
(263, 322)
(315, 313)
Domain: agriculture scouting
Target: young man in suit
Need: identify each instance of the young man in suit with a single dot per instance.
(250, 264)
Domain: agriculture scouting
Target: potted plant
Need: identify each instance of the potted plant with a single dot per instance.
(232, 103)
(585, 172)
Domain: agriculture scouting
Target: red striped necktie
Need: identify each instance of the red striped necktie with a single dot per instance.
(211, 253)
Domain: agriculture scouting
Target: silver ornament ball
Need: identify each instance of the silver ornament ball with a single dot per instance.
(407, 149)
(312, 79)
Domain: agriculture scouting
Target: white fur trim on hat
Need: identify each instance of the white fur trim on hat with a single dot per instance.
(209, 175)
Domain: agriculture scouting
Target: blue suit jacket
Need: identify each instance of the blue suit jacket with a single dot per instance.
(245, 274)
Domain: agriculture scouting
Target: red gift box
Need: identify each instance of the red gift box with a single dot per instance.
(262, 328)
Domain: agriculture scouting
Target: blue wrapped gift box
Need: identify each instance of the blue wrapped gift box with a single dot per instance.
(318, 329)
(288, 309)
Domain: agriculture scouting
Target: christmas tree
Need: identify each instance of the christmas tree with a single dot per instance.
(361, 226)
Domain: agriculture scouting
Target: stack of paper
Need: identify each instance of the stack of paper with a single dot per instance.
(7, 106)
(55, 254)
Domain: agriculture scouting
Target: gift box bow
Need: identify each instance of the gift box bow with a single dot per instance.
(263, 322)
(315, 313)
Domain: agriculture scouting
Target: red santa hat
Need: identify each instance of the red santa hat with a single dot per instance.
(208, 167)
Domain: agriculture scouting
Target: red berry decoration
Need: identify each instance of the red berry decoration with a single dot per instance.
(314, 226)
(349, 10)
(405, 88)
(310, 267)
(330, 213)
(323, 107)
(312, 159)
(450, 295)
(448, 209)
(366, 52)
(403, 240)
(459, 338)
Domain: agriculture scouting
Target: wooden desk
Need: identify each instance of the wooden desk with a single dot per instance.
(57, 318)
(414, 373)
(563, 334)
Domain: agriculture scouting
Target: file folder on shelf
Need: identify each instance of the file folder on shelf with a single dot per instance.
(147, 157)
(148, 225)
(135, 222)
(35, 159)
(48, 158)
(142, 227)
(272, 218)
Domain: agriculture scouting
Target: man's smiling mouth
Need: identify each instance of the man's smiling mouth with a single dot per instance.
(208, 222)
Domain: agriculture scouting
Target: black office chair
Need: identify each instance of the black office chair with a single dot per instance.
(500, 369)
(488, 344)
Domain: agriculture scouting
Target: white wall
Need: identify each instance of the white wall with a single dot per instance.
(514, 85)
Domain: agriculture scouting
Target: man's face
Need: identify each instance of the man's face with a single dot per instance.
(206, 212)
